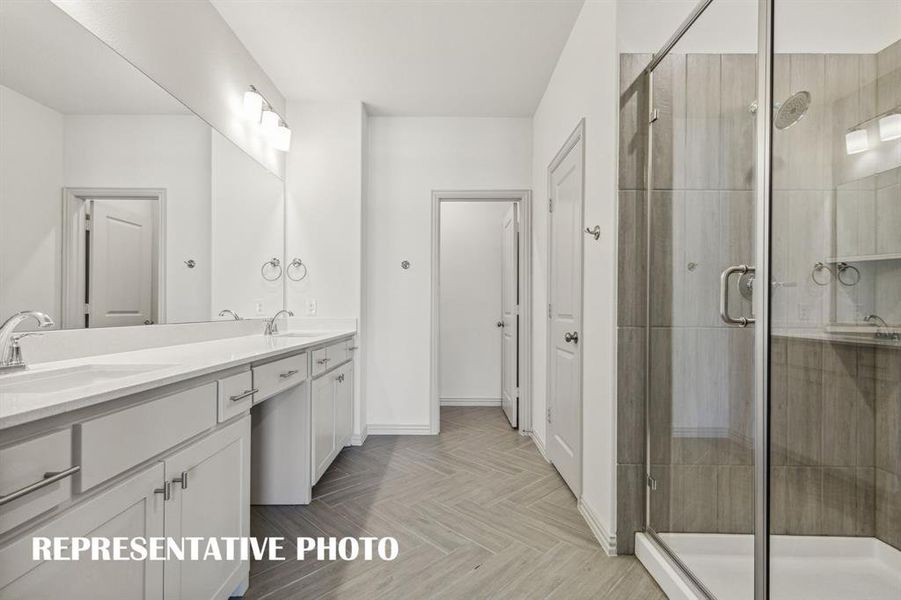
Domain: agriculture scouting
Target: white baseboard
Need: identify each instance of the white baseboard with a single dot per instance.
(470, 401)
(604, 538)
(357, 440)
(399, 429)
(540, 445)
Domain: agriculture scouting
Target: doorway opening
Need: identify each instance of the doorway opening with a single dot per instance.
(113, 257)
(481, 303)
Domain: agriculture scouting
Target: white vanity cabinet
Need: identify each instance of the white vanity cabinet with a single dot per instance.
(130, 509)
(209, 497)
(332, 416)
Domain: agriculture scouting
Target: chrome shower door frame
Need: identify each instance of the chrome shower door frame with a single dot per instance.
(761, 301)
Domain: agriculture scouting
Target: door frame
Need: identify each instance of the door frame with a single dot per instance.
(523, 199)
(577, 135)
(73, 252)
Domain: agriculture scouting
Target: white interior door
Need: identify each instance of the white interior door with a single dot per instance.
(510, 318)
(565, 312)
(120, 263)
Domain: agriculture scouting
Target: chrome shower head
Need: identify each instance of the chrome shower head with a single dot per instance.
(792, 110)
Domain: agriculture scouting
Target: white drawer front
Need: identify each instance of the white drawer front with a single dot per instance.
(338, 353)
(320, 361)
(278, 376)
(27, 463)
(113, 443)
(235, 395)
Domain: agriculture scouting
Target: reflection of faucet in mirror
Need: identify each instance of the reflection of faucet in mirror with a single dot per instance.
(10, 352)
(883, 335)
(231, 313)
(871, 318)
(272, 326)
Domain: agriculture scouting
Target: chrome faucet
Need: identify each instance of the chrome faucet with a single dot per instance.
(10, 352)
(272, 326)
(229, 312)
(871, 318)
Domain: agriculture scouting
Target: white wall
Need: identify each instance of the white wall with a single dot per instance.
(154, 151)
(324, 216)
(247, 223)
(31, 152)
(189, 49)
(409, 158)
(470, 301)
(584, 84)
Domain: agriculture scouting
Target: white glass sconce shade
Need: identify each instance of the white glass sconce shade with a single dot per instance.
(890, 127)
(253, 106)
(281, 139)
(856, 141)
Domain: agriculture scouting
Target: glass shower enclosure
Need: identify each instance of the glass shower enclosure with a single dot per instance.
(773, 337)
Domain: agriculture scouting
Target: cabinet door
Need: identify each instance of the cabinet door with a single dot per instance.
(210, 498)
(130, 509)
(323, 409)
(344, 405)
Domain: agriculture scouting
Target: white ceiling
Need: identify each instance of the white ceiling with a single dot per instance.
(408, 57)
(47, 56)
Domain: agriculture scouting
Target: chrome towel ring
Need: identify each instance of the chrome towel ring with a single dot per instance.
(275, 265)
(817, 276)
(299, 269)
(843, 268)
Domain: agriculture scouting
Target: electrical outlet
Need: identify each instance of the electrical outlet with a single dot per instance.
(804, 311)
(311, 306)
(258, 304)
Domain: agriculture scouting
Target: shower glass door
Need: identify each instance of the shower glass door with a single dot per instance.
(701, 215)
(835, 302)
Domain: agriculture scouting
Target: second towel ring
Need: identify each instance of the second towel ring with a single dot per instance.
(273, 263)
(843, 267)
(296, 264)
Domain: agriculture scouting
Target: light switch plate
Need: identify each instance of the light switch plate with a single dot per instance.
(311, 306)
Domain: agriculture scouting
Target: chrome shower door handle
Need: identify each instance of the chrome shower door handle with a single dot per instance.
(724, 296)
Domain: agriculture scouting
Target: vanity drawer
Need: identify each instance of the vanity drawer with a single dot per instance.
(28, 463)
(113, 443)
(236, 395)
(271, 378)
(331, 356)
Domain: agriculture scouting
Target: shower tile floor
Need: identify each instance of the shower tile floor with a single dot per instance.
(804, 567)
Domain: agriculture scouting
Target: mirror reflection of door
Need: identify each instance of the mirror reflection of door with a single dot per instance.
(120, 270)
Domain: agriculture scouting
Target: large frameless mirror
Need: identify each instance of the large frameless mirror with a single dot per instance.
(118, 205)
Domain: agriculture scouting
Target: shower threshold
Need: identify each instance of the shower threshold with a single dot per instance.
(803, 567)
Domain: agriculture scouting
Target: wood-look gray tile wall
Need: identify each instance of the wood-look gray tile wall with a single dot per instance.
(836, 409)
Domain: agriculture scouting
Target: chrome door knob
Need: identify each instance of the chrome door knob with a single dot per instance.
(571, 338)
(500, 323)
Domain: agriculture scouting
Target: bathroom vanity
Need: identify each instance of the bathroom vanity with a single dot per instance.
(171, 441)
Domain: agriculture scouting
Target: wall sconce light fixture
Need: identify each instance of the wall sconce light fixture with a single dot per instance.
(258, 109)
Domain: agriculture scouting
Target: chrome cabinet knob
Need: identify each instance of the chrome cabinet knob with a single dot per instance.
(571, 338)
(500, 323)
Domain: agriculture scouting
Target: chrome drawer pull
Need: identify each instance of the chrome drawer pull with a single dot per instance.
(49, 479)
(287, 374)
(182, 479)
(244, 395)
(166, 491)
(322, 361)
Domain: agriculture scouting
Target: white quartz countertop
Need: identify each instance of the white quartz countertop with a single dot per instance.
(33, 394)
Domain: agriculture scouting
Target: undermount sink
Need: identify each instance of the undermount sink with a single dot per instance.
(55, 380)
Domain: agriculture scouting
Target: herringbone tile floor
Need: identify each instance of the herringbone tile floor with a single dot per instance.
(477, 513)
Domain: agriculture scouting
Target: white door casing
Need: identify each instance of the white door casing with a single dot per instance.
(510, 317)
(566, 192)
(120, 275)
